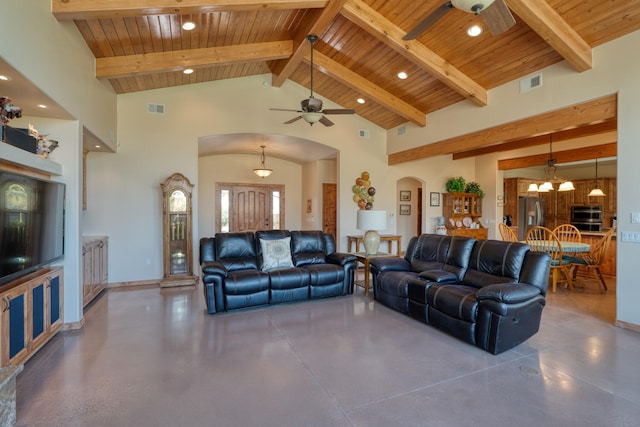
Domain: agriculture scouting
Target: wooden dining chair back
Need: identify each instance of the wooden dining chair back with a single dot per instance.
(541, 239)
(567, 233)
(507, 234)
(592, 260)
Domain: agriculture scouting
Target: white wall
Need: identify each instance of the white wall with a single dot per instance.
(54, 57)
(616, 67)
(124, 201)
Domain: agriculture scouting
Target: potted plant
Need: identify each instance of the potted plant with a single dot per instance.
(474, 188)
(455, 185)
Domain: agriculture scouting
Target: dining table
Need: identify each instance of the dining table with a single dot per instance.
(567, 247)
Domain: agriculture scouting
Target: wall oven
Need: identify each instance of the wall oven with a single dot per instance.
(587, 218)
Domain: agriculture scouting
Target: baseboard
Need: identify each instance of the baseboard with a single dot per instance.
(154, 283)
(72, 326)
(626, 325)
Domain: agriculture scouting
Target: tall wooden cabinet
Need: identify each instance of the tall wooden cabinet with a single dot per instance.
(30, 314)
(95, 261)
(462, 213)
(177, 231)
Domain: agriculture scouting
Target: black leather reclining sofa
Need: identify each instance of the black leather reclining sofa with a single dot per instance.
(237, 274)
(488, 293)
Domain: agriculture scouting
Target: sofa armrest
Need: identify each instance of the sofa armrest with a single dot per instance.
(508, 293)
(390, 264)
(439, 276)
(340, 258)
(213, 267)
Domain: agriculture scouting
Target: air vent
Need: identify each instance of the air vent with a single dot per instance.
(402, 130)
(363, 133)
(155, 108)
(531, 82)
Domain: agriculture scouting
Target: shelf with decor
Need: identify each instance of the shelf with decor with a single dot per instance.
(462, 213)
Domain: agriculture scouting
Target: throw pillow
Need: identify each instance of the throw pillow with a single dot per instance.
(276, 253)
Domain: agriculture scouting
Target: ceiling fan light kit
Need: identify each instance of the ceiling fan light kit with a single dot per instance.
(473, 6)
(495, 13)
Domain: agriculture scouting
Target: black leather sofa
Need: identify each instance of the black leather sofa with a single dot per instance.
(488, 293)
(235, 273)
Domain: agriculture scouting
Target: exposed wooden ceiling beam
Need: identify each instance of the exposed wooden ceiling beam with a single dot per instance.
(598, 110)
(384, 30)
(96, 9)
(554, 30)
(574, 155)
(148, 63)
(283, 69)
(565, 135)
(359, 83)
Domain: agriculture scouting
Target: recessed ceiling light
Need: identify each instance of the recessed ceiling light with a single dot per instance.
(360, 101)
(188, 71)
(188, 26)
(41, 106)
(5, 78)
(402, 75)
(97, 146)
(474, 30)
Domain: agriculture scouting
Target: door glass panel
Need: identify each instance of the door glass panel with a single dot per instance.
(224, 211)
(275, 203)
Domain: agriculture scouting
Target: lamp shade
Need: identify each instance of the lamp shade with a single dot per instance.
(372, 220)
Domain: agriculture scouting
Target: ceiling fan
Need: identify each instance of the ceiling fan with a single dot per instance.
(496, 15)
(311, 108)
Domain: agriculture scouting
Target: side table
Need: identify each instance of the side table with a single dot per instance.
(365, 259)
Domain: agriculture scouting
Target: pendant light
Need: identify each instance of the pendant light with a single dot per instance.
(596, 192)
(262, 171)
(550, 177)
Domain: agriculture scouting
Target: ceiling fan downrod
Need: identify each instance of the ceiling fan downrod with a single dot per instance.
(312, 39)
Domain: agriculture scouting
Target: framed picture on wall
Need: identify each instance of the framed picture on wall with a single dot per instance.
(405, 196)
(405, 209)
(434, 199)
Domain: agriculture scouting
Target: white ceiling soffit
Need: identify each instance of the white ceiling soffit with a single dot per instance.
(293, 149)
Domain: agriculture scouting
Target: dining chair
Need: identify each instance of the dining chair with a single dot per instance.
(593, 259)
(507, 234)
(541, 239)
(568, 233)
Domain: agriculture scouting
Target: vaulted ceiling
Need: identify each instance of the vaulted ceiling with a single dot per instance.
(140, 45)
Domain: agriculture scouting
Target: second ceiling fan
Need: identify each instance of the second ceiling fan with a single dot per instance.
(311, 108)
(496, 15)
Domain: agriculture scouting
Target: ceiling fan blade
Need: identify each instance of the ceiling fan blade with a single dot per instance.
(428, 21)
(295, 119)
(498, 17)
(285, 109)
(339, 111)
(326, 121)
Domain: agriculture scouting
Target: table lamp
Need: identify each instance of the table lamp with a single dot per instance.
(372, 221)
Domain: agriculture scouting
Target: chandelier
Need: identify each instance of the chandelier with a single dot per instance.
(262, 171)
(550, 178)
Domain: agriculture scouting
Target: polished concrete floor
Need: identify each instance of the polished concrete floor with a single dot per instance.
(147, 357)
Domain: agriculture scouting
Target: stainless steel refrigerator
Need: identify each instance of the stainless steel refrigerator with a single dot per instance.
(530, 213)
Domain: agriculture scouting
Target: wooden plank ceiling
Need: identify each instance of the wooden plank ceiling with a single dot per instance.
(140, 45)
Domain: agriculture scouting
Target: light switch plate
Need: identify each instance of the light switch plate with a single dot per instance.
(635, 217)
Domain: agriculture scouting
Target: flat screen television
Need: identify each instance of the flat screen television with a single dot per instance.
(31, 224)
